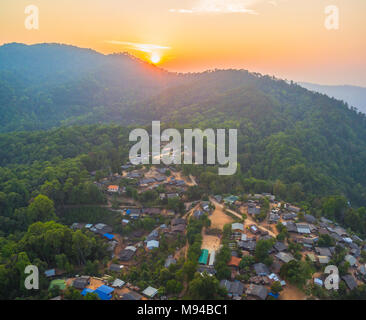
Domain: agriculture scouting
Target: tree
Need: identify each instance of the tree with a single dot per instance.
(276, 287)
(173, 286)
(42, 209)
(189, 269)
(205, 287)
(262, 251)
(296, 272)
(72, 294)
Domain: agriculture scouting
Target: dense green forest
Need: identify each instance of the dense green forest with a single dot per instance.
(66, 112)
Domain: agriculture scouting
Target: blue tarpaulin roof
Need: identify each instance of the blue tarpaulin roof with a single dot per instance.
(104, 292)
(86, 290)
(108, 236)
(128, 211)
(50, 273)
(105, 289)
(273, 295)
(103, 296)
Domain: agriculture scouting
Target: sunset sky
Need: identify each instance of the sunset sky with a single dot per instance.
(285, 38)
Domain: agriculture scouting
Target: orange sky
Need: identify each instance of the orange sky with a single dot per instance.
(285, 38)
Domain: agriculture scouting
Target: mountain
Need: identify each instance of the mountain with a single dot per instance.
(354, 96)
(44, 85)
(311, 144)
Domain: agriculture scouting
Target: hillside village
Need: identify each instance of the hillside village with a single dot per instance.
(251, 243)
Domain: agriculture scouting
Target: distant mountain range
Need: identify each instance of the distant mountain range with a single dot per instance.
(354, 96)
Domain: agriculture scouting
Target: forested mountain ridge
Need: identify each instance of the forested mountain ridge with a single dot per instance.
(43, 85)
(313, 144)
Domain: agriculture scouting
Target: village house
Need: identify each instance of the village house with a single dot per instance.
(323, 259)
(115, 267)
(323, 251)
(257, 291)
(118, 283)
(350, 281)
(247, 245)
(261, 269)
(127, 253)
(81, 282)
(284, 257)
(237, 227)
(178, 221)
(280, 246)
(293, 208)
(351, 260)
(150, 292)
(152, 244)
(113, 189)
(253, 209)
(235, 288)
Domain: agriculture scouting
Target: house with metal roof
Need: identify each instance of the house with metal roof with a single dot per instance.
(257, 291)
(152, 244)
(247, 245)
(350, 281)
(150, 292)
(351, 260)
(154, 235)
(284, 257)
(126, 254)
(81, 282)
(234, 288)
(116, 267)
(118, 283)
(212, 258)
(323, 259)
(261, 269)
(323, 251)
(280, 246)
(303, 228)
(237, 227)
(254, 210)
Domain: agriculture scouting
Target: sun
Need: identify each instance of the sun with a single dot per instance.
(155, 58)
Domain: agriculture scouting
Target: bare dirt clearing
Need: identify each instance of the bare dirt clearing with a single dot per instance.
(211, 243)
(290, 292)
(218, 217)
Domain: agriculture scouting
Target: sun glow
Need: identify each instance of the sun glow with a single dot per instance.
(155, 58)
